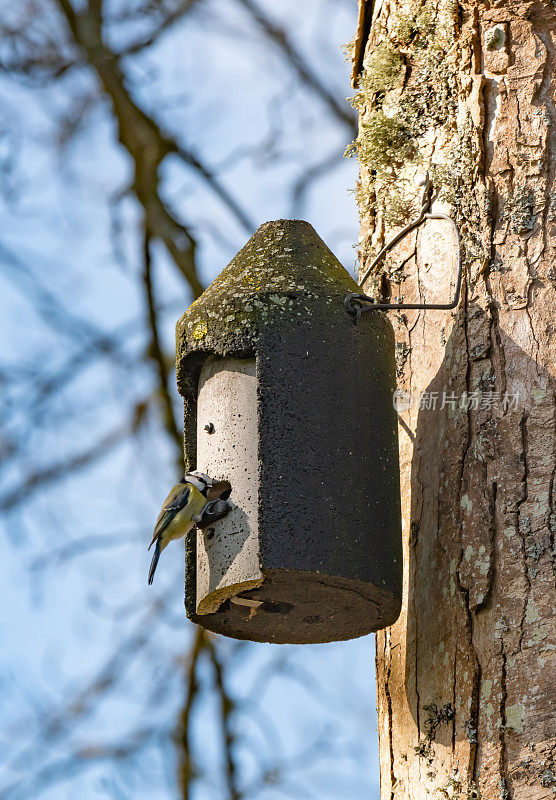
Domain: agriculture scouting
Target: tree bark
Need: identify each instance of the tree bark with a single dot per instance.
(466, 676)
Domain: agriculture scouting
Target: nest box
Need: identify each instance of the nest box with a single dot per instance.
(292, 403)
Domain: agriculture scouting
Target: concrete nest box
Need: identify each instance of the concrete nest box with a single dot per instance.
(292, 403)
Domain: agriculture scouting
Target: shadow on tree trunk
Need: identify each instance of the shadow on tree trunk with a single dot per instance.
(474, 637)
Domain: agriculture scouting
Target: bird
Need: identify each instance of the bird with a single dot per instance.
(183, 508)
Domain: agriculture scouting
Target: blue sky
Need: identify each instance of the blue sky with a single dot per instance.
(213, 83)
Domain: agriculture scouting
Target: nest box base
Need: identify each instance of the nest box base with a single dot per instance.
(293, 607)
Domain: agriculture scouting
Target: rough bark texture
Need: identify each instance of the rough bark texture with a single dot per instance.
(466, 676)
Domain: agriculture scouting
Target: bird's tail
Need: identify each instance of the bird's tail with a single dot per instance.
(154, 562)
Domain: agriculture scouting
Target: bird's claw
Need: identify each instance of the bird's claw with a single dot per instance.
(214, 511)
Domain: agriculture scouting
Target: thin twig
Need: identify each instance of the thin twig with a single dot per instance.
(280, 37)
(183, 737)
(59, 470)
(153, 37)
(157, 355)
(226, 710)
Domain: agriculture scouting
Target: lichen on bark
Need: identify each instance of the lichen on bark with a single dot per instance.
(406, 87)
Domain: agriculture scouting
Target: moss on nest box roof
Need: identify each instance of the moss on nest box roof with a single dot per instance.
(283, 271)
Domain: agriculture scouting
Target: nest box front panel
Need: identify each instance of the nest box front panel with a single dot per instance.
(227, 448)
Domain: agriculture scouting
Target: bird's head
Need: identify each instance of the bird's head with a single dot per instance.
(209, 488)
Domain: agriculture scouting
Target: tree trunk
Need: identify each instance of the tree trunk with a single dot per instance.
(466, 676)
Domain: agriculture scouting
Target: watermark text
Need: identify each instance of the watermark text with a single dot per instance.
(472, 401)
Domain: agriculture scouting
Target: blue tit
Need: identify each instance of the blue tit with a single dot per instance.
(182, 509)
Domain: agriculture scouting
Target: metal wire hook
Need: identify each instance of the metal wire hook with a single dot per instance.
(356, 304)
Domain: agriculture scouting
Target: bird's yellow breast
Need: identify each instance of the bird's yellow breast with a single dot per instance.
(183, 521)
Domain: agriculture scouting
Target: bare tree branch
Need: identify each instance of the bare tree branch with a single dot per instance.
(226, 709)
(83, 545)
(79, 760)
(282, 40)
(148, 146)
(56, 725)
(153, 37)
(183, 736)
(309, 176)
(57, 471)
(157, 357)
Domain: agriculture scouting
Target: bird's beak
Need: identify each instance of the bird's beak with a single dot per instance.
(220, 490)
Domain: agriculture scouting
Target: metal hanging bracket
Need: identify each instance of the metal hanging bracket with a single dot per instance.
(356, 304)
